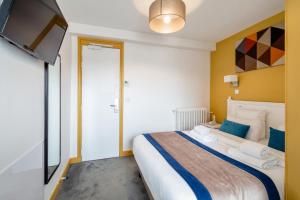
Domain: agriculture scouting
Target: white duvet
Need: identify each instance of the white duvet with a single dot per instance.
(166, 184)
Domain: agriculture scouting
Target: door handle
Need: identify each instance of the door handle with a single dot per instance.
(115, 105)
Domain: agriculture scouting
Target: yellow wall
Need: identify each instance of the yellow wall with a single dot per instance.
(293, 99)
(258, 85)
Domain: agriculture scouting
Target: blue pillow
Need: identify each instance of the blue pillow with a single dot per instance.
(234, 128)
(277, 139)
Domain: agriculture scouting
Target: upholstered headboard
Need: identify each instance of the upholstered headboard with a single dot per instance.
(275, 111)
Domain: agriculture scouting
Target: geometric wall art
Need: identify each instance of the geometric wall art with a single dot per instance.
(262, 49)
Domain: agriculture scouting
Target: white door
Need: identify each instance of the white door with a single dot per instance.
(100, 102)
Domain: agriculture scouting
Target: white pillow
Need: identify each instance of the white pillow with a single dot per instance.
(264, 141)
(281, 127)
(251, 114)
(257, 129)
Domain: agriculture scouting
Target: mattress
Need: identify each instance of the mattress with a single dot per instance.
(166, 184)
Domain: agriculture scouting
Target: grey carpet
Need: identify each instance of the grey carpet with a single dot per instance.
(108, 179)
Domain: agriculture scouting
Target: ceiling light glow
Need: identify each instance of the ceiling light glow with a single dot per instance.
(167, 19)
(167, 16)
(143, 5)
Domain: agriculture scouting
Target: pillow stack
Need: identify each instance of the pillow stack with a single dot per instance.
(252, 125)
(255, 119)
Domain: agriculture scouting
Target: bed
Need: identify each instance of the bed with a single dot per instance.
(168, 181)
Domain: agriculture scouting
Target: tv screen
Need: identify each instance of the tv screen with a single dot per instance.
(37, 26)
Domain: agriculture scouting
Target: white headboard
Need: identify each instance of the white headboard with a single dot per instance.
(275, 111)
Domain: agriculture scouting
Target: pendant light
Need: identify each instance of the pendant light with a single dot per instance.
(167, 16)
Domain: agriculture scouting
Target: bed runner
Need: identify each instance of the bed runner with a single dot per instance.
(209, 173)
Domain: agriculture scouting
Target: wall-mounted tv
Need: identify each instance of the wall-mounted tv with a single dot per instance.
(37, 26)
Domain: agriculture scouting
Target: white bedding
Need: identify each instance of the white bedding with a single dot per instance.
(166, 184)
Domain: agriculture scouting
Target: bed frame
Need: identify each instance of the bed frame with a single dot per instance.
(146, 186)
(275, 118)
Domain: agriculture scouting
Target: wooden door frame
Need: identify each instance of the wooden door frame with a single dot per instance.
(83, 41)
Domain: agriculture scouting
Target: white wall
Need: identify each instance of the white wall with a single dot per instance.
(160, 79)
(73, 117)
(22, 123)
(21, 102)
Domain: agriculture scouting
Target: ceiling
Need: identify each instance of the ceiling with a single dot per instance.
(212, 21)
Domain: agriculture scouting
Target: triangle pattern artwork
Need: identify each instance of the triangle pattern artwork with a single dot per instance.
(261, 50)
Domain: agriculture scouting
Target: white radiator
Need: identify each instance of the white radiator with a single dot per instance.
(187, 119)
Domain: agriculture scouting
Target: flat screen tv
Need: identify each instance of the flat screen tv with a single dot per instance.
(36, 26)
